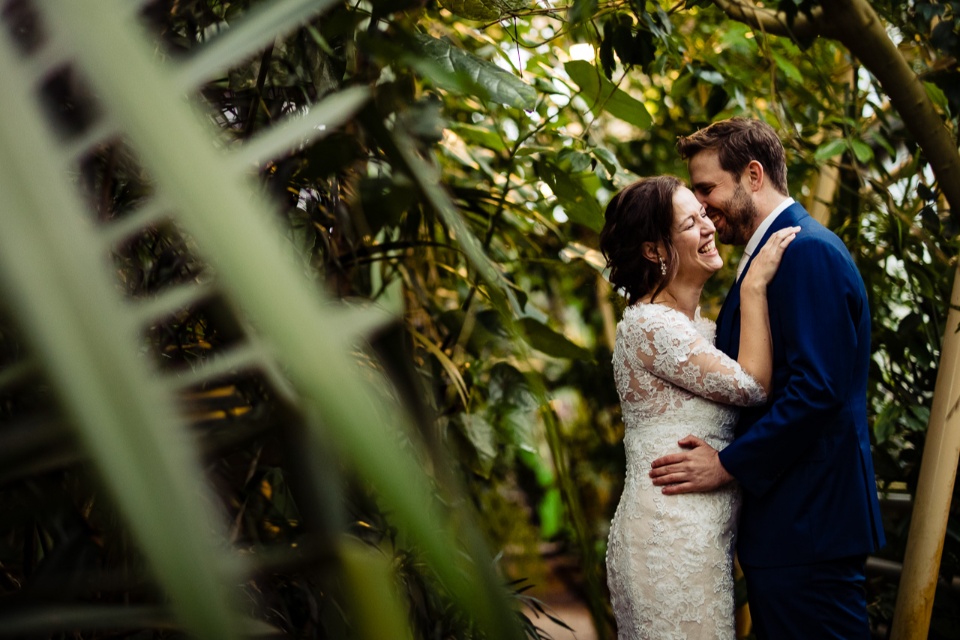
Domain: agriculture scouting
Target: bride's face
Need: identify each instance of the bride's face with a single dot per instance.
(693, 237)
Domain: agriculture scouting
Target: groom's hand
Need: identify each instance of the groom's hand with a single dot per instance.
(696, 470)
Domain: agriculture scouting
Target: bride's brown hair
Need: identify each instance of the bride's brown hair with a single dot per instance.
(641, 212)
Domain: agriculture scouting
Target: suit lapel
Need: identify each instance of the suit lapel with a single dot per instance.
(728, 322)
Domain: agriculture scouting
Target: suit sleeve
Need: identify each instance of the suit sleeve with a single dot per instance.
(819, 301)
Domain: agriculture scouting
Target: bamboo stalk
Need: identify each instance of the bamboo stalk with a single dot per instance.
(938, 471)
(821, 196)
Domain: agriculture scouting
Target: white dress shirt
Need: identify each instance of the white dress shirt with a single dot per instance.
(758, 235)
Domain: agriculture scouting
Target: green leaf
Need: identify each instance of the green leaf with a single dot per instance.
(346, 402)
(607, 159)
(546, 340)
(448, 365)
(573, 161)
(298, 131)
(578, 203)
(920, 417)
(69, 308)
(550, 511)
(603, 95)
(483, 438)
(483, 9)
(830, 149)
(733, 36)
(884, 142)
(500, 86)
(254, 33)
(789, 69)
(576, 250)
(937, 96)
(471, 9)
(508, 387)
(862, 151)
(514, 403)
(478, 135)
(710, 77)
(377, 609)
(428, 178)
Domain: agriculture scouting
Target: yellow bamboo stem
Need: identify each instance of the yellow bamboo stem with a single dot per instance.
(824, 189)
(938, 471)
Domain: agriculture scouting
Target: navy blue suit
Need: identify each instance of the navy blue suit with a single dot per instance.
(803, 460)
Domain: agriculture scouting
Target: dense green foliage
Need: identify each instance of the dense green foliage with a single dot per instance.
(449, 224)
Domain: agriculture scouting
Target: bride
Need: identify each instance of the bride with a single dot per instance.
(669, 558)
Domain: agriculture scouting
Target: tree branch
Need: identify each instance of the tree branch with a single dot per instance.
(774, 22)
(857, 26)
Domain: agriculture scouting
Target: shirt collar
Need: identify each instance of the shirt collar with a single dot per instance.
(762, 229)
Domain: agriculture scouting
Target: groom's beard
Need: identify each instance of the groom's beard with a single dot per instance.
(739, 214)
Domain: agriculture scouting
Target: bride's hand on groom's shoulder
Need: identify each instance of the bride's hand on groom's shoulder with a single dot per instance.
(765, 264)
(695, 470)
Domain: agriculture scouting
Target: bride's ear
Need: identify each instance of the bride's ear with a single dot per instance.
(651, 251)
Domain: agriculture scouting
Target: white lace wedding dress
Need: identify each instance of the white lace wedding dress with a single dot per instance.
(669, 558)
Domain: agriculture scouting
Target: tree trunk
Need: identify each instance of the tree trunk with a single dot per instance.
(855, 25)
(938, 468)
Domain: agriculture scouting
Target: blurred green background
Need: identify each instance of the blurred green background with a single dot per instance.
(303, 330)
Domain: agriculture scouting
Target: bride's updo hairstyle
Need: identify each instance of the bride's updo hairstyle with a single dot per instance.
(642, 212)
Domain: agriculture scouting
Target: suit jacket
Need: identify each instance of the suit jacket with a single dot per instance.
(803, 459)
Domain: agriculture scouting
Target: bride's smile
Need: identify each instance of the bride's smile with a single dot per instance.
(692, 236)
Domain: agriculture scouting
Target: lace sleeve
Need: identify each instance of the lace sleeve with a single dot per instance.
(667, 344)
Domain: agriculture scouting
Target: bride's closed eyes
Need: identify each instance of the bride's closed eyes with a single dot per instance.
(689, 223)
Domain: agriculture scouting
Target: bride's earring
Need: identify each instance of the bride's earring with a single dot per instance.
(663, 266)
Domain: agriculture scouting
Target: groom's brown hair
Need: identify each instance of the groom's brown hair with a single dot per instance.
(738, 141)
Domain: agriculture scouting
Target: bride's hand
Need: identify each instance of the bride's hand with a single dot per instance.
(765, 264)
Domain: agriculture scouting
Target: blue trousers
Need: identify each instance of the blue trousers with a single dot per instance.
(824, 601)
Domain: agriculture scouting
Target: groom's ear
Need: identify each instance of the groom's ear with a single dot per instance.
(754, 175)
(650, 251)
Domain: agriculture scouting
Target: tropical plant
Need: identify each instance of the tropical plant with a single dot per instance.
(307, 343)
(203, 267)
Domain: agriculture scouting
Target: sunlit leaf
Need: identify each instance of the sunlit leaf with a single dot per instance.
(484, 9)
(501, 86)
(579, 204)
(578, 251)
(788, 67)
(936, 94)
(478, 135)
(861, 150)
(603, 95)
(830, 149)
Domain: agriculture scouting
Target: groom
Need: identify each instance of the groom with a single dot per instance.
(810, 512)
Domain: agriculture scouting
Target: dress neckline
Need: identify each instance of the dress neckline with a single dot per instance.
(696, 314)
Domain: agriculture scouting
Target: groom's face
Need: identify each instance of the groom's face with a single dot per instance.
(728, 204)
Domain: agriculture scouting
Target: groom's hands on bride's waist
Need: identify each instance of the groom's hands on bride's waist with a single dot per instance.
(695, 470)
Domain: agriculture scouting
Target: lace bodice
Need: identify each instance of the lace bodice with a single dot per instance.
(662, 358)
(669, 558)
